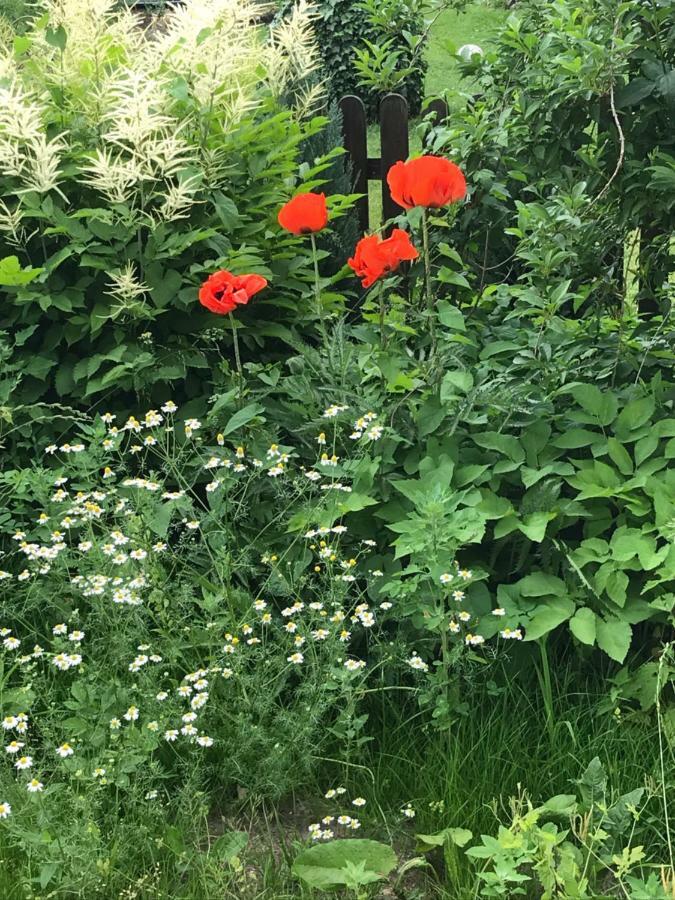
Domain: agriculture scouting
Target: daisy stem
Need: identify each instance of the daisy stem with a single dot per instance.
(428, 288)
(237, 358)
(317, 289)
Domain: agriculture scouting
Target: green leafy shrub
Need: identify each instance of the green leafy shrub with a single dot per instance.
(579, 845)
(370, 49)
(564, 186)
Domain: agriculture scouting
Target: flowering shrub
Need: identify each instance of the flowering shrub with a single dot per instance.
(169, 623)
(130, 167)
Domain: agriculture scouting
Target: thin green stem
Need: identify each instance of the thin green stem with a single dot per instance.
(237, 358)
(431, 306)
(383, 334)
(317, 289)
(659, 682)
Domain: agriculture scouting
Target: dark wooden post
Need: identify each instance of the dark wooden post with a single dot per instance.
(394, 145)
(437, 110)
(356, 144)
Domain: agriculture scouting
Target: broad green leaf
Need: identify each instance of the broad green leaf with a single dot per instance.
(160, 518)
(547, 616)
(56, 37)
(593, 783)
(243, 417)
(598, 480)
(454, 383)
(447, 276)
(620, 816)
(575, 438)
(601, 405)
(619, 456)
(582, 626)
(494, 507)
(539, 584)
(472, 474)
(534, 526)
(645, 447)
(616, 587)
(450, 316)
(634, 92)
(503, 443)
(627, 543)
(458, 836)
(354, 502)
(431, 414)
(614, 637)
(12, 275)
(561, 805)
(47, 872)
(229, 845)
(173, 839)
(635, 414)
(325, 865)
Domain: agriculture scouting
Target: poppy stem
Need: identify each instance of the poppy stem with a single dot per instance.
(431, 306)
(237, 357)
(317, 289)
(383, 336)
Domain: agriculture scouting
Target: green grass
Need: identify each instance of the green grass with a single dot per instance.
(503, 744)
(475, 24)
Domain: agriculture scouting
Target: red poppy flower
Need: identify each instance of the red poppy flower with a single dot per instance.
(430, 181)
(222, 292)
(304, 214)
(374, 258)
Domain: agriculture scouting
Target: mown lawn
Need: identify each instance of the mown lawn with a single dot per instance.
(475, 24)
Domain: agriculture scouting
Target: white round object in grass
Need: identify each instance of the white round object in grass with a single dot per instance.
(468, 51)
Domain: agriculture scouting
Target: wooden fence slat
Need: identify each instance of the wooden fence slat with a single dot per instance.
(440, 110)
(355, 134)
(393, 143)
